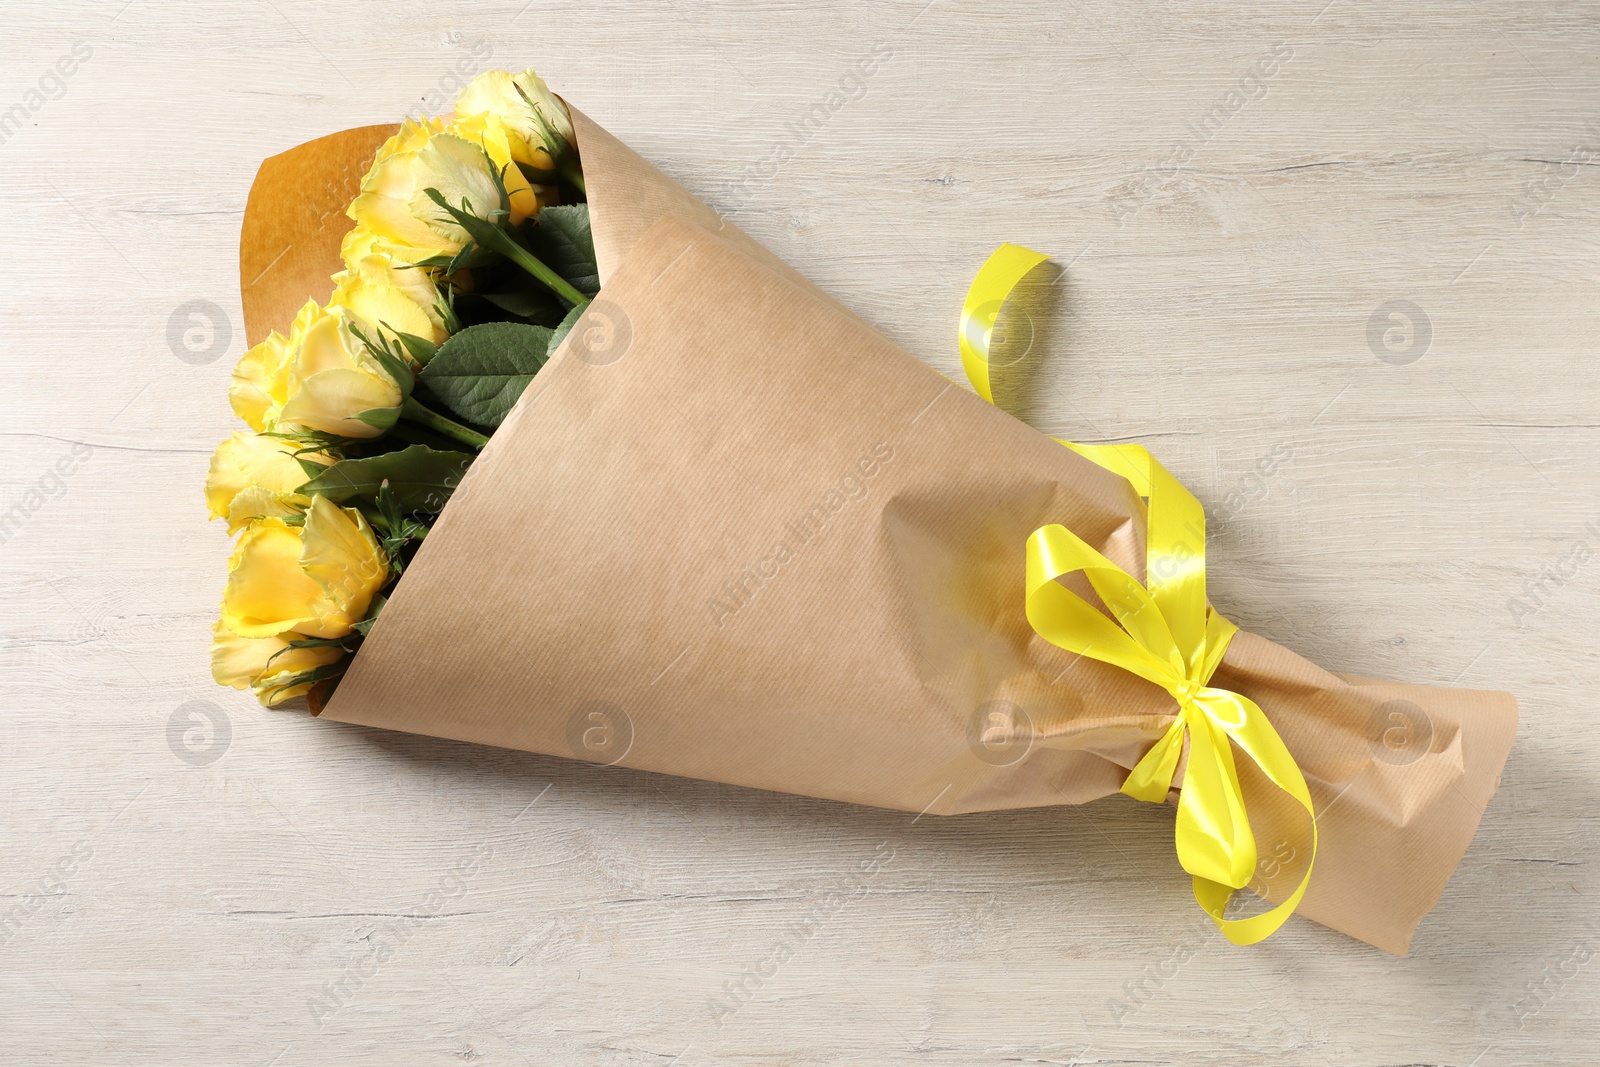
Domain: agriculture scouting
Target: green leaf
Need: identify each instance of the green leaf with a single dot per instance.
(482, 231)
(396, 368)
(565, 328)
(392, 360)
(388, 508)
(406, 432)
(445, 305)
(380, 418)
(563, 240)
(471, 255)
(315, 674)
(310, 440)
(311, 467)
(537, 176)
(527, 303)
(489, 235)
(555, 144)
(394, 529)
(313, 642)
(421, 478)
(481, 371)
(421, 348)
(365, 624)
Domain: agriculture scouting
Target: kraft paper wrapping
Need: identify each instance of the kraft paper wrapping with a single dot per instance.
(730, 532)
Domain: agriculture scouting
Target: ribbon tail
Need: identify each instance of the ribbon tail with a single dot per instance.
(1151, 777)
(1214, 897)
(994, 282)
(1213, 833)
(1241, 720)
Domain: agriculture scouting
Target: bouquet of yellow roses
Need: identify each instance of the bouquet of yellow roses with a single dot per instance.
(469, 261)
(561, 461)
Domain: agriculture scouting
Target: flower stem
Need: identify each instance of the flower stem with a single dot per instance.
(489, 235)
(574, 174)
(412, 409)
(528, 262)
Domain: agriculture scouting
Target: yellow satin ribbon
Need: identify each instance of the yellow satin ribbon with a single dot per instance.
(1166, 633)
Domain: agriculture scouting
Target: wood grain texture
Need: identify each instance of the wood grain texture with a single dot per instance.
(1436, 520)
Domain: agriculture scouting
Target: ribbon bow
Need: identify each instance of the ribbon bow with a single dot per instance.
(1166, 633)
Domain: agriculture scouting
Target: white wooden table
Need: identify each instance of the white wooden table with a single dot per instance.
(1379, 261)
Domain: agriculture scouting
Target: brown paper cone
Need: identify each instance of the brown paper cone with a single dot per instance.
(730, 532)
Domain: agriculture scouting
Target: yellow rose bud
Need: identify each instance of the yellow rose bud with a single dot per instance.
(491, 134)
(249, 393)
(402, 220)
(252, 477)
(494, 92)
(255, 393)
(460, 170)
(382, 211)
(320, 378)
(358, 244)
(261, 379)
(254, 502)
(318, 580)
(333, 379)
(249, 663)
(399, 299)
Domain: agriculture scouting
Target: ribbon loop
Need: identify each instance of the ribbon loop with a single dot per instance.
(1164, 631)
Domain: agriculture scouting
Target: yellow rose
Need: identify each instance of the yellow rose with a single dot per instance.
(492, 135)
(333, 379)
(494, 92)
(248, 663)
(252, 477)
(250, 392)
(360, 242)
(382, 211)
(376, 290)
(460, 170)
(395, 210)
(320, 378)
(259, 378)
(318, 580)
